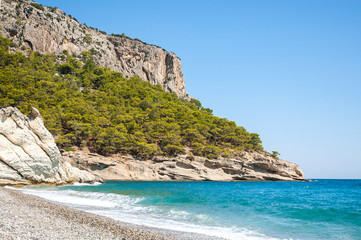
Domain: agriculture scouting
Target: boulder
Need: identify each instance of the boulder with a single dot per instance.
(28, 153)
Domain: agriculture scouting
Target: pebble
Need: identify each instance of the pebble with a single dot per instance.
(24, 216)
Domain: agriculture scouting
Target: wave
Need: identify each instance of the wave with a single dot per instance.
(127, 209)
(87, 184)
(13, 188)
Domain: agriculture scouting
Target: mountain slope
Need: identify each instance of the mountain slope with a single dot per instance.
(49, 30)
(91, 107)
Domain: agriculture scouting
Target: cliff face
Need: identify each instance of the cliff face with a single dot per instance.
(28, 153)
(248, 167)
(49, 30)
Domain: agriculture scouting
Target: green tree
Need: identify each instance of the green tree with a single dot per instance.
(275, 154)
(86, 105)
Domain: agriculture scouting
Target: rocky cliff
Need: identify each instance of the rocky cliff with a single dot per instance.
(247, 167)
(28, 153)
(50, 30)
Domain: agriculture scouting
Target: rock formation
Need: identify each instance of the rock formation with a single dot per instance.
(248, 167)
(28, 153)
(50, 30)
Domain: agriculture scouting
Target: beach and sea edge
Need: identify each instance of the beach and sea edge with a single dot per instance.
(23, 216)
(320, 209)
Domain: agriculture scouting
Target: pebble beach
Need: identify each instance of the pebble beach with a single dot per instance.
(24, 216)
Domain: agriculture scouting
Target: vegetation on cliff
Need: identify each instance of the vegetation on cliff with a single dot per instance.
(90, 106)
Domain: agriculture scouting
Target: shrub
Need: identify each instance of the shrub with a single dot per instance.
(275, 154)
(52, 9)
(211, 151)
(173, 150)
(197, 149)
(145, 149)
(37, 6)
(66, 68)
(88, 38)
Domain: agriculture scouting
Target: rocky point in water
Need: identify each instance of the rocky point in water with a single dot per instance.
(246, 167)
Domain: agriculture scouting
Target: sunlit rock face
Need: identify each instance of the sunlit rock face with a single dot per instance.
(28, 153)
(50, 30)
(246, 167)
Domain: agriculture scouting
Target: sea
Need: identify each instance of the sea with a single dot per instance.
(318, 209)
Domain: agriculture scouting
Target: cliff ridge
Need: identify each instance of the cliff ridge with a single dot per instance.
(32, 26)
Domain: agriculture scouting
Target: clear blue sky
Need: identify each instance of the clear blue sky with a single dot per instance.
(288, 70)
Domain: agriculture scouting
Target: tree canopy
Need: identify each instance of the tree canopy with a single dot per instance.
(85, 105)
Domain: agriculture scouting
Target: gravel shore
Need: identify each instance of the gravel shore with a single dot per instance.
(24, 216)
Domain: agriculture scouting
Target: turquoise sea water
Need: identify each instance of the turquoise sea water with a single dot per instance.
(321, 209)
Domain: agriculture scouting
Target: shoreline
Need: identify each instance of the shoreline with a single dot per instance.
(24, 216)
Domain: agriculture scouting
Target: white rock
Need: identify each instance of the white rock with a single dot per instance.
(248, 167)
(28, 153)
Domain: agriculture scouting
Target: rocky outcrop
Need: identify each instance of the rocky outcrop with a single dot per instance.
(248, 167)
(28, 153)
(47, 30)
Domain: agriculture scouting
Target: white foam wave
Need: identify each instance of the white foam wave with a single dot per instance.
(70, 197)
(126, 209)
(231, 233)
(186, 216)
(87, 184)
(13, 188)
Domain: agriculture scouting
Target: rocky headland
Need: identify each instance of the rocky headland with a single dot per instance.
(246, 167)
(29, 155)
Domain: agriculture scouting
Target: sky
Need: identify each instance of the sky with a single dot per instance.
(287, 70)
